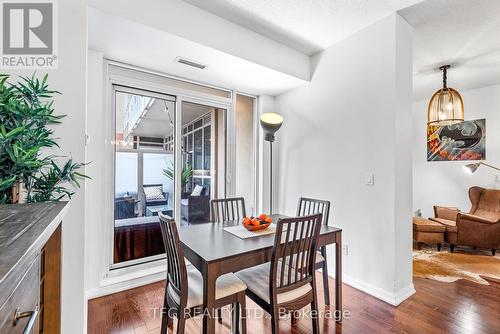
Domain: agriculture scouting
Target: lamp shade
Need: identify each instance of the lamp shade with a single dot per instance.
(446, 106)
(471, 168)
(270, 123)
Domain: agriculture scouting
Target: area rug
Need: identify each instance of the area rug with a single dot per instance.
(475, 266)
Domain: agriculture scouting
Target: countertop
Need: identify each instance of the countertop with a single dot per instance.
(24, 230)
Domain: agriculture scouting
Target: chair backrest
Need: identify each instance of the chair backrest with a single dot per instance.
(176, 267)
(295, 244)
(485, 202)
(227, 209)
(309, 206)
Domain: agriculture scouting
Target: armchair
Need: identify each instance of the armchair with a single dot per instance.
(153, 195)
(196, 208)
(480, 227)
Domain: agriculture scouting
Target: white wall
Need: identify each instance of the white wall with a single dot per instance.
(245, 171)
(354, 118)
(446, 183)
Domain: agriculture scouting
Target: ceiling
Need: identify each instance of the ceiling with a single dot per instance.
(144, 46)
(157, 123)
(463, 33)
(305, 25)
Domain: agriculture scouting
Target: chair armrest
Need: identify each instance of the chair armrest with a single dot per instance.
(465, 217)
(443, 212)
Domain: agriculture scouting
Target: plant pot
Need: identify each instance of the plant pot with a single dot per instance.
(19, 194)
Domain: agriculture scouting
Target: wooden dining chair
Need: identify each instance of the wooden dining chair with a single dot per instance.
(308, 206)
(184, 286)
(224, 209)
(276, 286)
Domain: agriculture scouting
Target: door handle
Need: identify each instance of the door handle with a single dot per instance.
(31, 322)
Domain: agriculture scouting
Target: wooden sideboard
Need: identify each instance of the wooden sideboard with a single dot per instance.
(30, 267)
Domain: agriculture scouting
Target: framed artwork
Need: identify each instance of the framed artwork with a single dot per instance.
(462, 141)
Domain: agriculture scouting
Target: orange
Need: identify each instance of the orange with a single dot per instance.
(269, 220)
(263, 216)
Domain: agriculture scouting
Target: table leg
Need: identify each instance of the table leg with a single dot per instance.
(209, 311)
(338, 277)
(235, 318)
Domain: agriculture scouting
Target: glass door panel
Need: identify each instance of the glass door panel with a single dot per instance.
(203, 151)
(144, 172)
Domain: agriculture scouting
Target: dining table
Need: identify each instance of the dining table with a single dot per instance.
(215, 252)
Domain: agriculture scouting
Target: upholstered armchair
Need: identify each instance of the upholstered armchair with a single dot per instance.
(478, 228)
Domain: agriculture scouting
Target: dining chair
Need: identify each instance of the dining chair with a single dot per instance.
(184, 286)
(276, 286)
(224, 209)
(307, 206)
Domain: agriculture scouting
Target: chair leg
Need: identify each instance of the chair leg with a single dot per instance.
(326, 283)
(275, 320)
(181, 322)
(439, 246)
(166, 319)
(219, 315)
(493, 251)
(315, 314)
(452, 248)
(293, 319)
(242, 308)
(419, 245)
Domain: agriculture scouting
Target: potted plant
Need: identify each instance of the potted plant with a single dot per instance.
(26, 174)
(187, 172)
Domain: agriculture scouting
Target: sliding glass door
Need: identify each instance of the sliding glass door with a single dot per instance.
(144, 172)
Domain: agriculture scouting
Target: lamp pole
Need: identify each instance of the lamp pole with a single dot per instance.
(271, 176)
(485, 164)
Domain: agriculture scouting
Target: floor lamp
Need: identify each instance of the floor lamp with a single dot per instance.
(270, 123)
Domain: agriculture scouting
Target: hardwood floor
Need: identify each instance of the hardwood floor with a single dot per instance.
(437, 307)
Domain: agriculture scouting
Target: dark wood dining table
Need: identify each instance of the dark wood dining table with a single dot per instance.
(215, 252)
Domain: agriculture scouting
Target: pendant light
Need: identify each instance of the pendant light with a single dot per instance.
(446, 106)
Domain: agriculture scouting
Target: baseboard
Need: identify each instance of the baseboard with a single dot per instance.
(402, 294)
(389, 297)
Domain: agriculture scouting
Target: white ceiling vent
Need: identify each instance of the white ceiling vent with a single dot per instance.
(189, 62)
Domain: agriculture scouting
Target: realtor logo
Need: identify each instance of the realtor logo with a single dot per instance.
(28, 35)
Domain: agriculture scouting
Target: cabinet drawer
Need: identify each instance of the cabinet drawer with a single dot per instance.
(23, 300)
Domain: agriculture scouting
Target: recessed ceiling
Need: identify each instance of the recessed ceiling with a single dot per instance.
(307, 26)
(463, 33)
(144, 46)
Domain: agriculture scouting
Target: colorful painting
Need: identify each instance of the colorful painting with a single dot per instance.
(462, 141)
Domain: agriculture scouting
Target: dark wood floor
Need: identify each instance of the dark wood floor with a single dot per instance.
(437, 307)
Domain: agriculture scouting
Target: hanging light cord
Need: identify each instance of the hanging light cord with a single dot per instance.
(445, 68)
(444, 78)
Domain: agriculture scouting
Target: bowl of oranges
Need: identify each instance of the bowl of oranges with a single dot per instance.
(257, 223)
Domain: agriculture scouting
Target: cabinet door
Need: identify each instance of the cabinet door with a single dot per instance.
(23, 304)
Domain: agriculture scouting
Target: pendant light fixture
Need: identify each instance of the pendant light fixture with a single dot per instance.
(446, 106)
